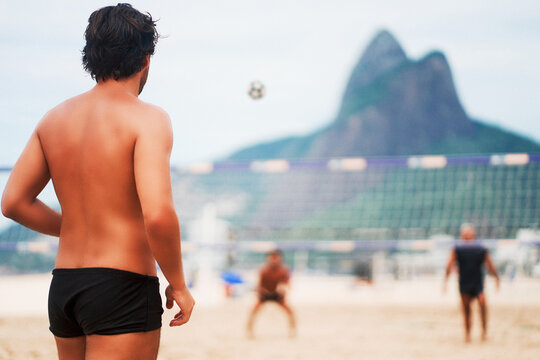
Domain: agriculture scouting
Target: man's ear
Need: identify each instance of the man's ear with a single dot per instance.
(146, 62)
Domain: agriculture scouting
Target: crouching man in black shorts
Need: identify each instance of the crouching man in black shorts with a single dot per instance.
(470, 257)
(273, 279)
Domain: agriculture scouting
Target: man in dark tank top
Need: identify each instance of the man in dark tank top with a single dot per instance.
(470, 258)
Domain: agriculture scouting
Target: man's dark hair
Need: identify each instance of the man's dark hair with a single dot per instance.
(276, 252)
(118, 38)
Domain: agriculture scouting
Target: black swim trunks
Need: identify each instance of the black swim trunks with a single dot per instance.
(470, 260)
(275, 296)
(103, 301)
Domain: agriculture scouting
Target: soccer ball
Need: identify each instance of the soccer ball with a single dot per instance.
(256, 90)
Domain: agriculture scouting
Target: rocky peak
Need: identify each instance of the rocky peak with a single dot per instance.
(382, 54)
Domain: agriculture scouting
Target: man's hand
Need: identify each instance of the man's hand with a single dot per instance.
(184, 300)
(445, 286)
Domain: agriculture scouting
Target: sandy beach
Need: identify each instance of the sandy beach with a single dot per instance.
(390, 320)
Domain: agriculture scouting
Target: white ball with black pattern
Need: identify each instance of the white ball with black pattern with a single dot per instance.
(256, 90)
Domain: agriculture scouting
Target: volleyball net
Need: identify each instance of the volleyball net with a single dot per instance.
(333, 215)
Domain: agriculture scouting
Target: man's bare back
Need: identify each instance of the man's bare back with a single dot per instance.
(90, 141)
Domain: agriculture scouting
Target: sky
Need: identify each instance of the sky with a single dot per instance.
(303, 51)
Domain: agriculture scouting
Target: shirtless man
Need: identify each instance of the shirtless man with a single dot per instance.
(107, 153)
(273, 279)
(470, 258)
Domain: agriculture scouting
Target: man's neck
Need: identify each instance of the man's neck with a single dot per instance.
(128, 86)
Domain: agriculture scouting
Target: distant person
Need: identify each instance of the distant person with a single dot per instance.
(363, 270)
(273, 283)
(107, 153)
(470, 258)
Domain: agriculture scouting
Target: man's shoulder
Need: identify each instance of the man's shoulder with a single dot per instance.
(137, 106)
(470, 249)
(152, 109)
(266, 270)
(285, 269)
(62, 109)
(151, 116)
(474, 245)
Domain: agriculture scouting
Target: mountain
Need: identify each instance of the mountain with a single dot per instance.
(393, 105)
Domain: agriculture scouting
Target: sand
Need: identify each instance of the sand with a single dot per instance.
(390, 320)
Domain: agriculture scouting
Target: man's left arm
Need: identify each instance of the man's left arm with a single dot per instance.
(492, 269)
(260, 289)
(27, 179)
(287, 276)
(449, 266)
(286, 279)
